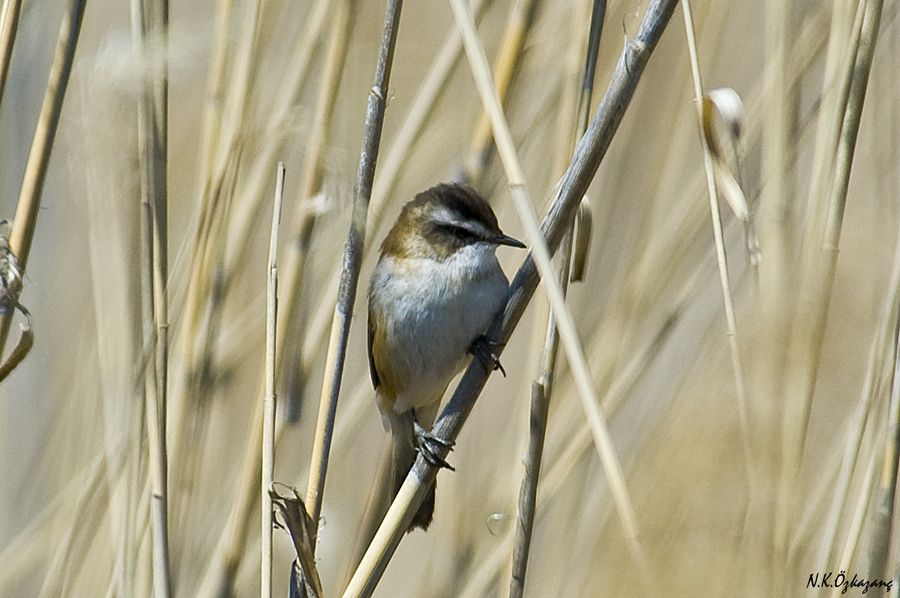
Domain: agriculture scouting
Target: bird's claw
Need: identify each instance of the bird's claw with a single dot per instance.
(483, 349)
(430, 446)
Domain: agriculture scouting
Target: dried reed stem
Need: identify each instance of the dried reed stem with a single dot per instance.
(245, 73)
(843, 43)
(393, 163)
(299, 526)
(214, 182)
(150, 21)
(850, 129)
(27, 209)
(210, 233)
(509, 58)
(540, 405)
(215, 93)
(542, 389)
(588, 155)
(777, 213)
(351, 262)
(8, 27)
(268, 423)
(718, 235)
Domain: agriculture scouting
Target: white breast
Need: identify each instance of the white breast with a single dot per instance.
(432, 311)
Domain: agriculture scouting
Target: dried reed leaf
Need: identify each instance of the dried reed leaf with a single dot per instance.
(584, 227)
(20, 351)
(299, 526)
(11, 283)
(725, 103)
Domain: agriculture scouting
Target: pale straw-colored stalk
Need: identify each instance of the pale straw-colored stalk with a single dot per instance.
(506, 67)
(215, 93)
(149, 22)
(270, 401)
(230, 549)
(719, 237)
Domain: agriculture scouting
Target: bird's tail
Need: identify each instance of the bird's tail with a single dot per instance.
(403, 455)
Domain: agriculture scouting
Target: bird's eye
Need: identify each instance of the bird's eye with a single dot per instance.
(460, 232)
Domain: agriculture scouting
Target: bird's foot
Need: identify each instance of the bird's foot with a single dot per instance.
(430, 446)
(483, 349)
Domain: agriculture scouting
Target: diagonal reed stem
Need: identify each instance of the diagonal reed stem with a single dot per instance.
(509, 59)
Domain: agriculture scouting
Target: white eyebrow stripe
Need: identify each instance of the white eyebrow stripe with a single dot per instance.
(442, 215)
(445, 216)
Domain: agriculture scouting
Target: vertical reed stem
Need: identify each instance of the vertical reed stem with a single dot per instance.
(270, 401)
(352, 260)
(542, 389)
(150, 22)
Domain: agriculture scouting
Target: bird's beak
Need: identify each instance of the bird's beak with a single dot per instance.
(502, 239)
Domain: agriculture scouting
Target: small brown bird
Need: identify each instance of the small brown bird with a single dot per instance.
(434, 292)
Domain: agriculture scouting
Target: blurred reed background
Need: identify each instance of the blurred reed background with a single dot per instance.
(726, 505)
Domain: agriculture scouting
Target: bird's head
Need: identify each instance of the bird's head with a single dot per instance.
(443, 220)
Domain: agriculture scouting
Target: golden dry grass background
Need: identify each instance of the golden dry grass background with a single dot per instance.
(68, 524)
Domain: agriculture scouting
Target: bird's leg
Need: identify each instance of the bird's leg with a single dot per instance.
(430, 445)
(483, 348)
